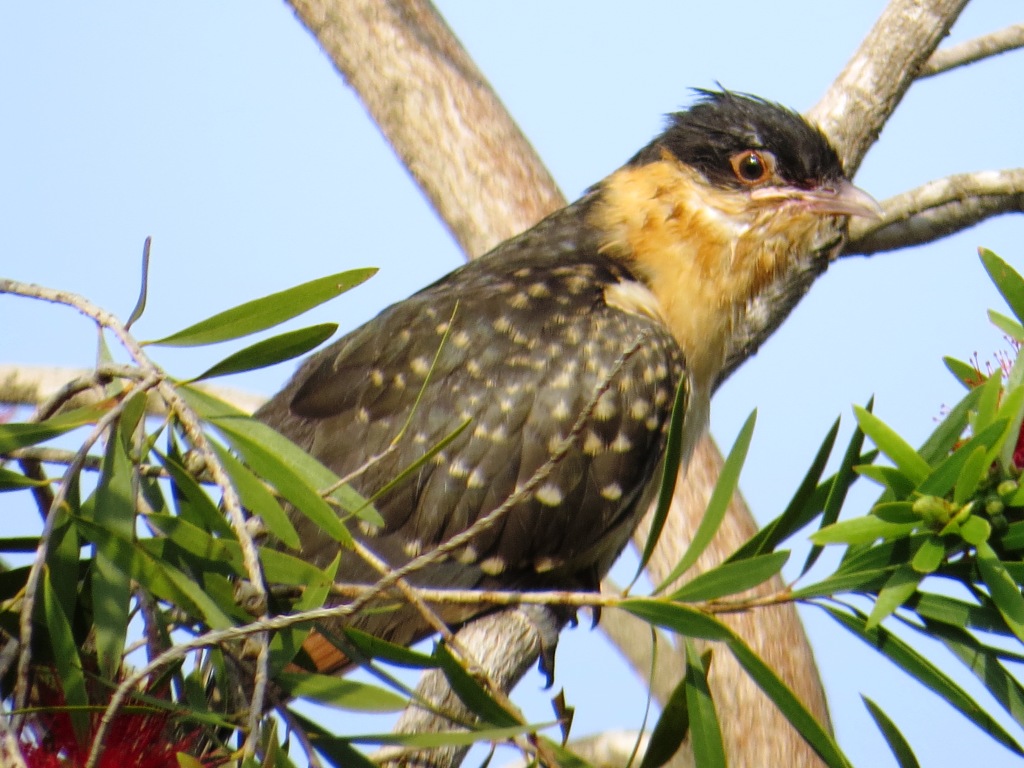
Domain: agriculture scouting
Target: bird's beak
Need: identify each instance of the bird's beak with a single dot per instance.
(843, 199)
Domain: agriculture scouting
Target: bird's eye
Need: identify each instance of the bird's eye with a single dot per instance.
(751, 167)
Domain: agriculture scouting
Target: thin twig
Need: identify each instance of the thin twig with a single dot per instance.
(970, 51)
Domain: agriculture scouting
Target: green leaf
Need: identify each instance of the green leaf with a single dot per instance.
(15, 481)
(1004, 591)
(868, 580)
(788, 704)
(681, 619)
(947, 474)
(1007, 325)
(477, 699)
(988, 402)
(897, 590)
(945, 437)
(718, 504)
(983, 662)
(1011, 411)
(1009, 283)
(670, 730)
(929, 555)
(287, 642)
(316, 475)
(192, 502)
(276, 349)
(975, 530)
(965, 373)
(159, 577)
(731, 578)
(898, 484)
(806, 503)
(66, 659)
(22, 435)
(340, 693)
(295, 474)
(907, 460)
(897, 743)
(339, 752)
(257, 499)
(669, 473)
(915, 665)
(111, 576)
(958, 613)
(705, 733)
(840, 485)
(861, 530)
(971, 473)
(371, 647)
(260, 314)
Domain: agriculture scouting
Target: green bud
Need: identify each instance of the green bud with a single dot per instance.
(933, 510)
(1007, 488)
(994, 506)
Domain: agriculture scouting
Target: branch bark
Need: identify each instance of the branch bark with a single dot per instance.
(974, 50)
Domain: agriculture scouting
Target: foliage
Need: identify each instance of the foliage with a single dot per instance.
(145, 593)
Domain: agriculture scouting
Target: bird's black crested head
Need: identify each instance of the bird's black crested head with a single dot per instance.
(713, 135)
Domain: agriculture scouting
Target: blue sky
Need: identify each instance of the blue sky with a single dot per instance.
(222, 131)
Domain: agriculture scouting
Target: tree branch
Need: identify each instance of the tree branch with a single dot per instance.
(937, 209)
(974, 50)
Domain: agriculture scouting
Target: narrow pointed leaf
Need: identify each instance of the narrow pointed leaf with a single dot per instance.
(841, 482)
(926, 673)
(897, 590)
(705, 733)
(277, 349)
(1007, 325)
(257, 499)
(260, 314)
(681, 619)
(670, 730)
(22, 435)
(669, 473)
(946, 475)
(988, 402)
(731, 578)
(965, 373)
(906, 459)
(944, 439)
(473, 695)
(789, 704)
(289, 472)
(140, 303)
(1007, 280)
(971, 473)
(898, 745)
(340, 693)
(111, 578)
(1002, 588)
(66, 659)
(718, 504)
(805, 505)
(266, 441)
(861, 530)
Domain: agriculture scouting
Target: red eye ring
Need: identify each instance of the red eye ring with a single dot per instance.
(752, 166)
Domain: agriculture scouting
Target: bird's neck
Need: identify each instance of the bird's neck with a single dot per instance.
(692, 250)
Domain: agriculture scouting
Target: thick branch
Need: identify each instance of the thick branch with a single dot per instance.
(441, 116)
(857, 105)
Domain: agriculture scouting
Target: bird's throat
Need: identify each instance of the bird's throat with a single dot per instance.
(692, 245)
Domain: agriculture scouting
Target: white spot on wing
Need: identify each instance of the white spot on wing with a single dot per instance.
(549, 495)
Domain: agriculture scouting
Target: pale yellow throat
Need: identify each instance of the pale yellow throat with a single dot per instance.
(703, 252)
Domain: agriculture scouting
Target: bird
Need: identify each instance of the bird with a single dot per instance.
(551, 364)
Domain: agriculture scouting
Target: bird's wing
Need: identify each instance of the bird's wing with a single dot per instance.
(566, 401)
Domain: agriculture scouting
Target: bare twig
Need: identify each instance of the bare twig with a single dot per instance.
(970, 51)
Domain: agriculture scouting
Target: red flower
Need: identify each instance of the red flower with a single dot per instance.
(146, 740)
